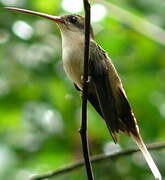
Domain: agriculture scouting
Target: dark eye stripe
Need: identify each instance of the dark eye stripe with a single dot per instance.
(76, 21)
(73, 19)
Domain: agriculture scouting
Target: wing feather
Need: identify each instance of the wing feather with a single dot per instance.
(113, 102)
(100, 78)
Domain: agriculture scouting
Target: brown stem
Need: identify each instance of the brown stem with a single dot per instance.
(83, 129)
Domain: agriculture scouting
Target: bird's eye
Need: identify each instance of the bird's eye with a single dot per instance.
(73, 19)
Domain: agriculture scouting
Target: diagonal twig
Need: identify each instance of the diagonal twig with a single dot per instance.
(94, 159)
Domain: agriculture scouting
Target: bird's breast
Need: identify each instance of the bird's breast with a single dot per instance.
(73, 64)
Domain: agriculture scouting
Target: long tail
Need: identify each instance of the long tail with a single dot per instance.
(147, 156)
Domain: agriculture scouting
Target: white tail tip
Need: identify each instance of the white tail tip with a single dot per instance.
(147, 157)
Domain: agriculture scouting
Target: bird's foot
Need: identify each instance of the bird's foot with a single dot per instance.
(89, 79)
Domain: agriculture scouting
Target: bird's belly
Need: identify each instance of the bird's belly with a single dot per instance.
(73, 66)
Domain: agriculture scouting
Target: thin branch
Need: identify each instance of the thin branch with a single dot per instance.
(137, 23)
(94, 159)
(83, 129)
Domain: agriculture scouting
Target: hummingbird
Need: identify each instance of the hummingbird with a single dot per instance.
(105, 89)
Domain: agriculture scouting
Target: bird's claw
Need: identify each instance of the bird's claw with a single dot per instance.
(89, 79)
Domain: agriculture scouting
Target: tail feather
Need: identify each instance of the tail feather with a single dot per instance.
(147, 156)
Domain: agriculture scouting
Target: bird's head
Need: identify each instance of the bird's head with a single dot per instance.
(70, 25)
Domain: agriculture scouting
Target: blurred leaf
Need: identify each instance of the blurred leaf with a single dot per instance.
(40, 109)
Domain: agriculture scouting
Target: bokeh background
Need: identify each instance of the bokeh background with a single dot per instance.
(39, 107)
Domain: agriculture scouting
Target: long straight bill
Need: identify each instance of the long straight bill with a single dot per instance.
(47, 16)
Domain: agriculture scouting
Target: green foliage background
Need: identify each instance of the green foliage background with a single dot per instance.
(40, 109)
